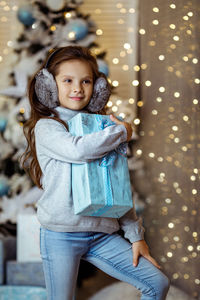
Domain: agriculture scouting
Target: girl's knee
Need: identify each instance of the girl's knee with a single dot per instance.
(166, 282)
(159, 286)
(163, 285)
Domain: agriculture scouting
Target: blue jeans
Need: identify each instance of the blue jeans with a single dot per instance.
(61, 253)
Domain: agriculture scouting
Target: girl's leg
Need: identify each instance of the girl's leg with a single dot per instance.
(113, 255)
(61, 255)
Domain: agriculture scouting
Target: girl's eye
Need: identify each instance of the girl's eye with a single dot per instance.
(68, 80)
(86, 81)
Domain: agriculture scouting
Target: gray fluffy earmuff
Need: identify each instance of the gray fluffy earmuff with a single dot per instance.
(47, 92)
(100, 96)
(46, 89)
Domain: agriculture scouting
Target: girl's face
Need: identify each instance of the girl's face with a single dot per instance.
(75, 84)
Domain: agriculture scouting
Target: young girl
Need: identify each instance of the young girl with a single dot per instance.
(68, 84)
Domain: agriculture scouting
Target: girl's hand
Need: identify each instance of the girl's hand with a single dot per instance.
(127, 125)
(141, 248)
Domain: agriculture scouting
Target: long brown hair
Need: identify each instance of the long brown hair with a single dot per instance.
(29, 159)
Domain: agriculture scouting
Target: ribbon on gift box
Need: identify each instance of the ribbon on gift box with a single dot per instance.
(105, 162)
(121, 149)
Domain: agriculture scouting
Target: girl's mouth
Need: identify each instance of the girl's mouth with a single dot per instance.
(76, 98)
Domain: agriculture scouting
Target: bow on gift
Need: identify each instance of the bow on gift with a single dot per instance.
(108, 160)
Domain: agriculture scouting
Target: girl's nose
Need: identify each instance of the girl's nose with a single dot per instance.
(77, 88)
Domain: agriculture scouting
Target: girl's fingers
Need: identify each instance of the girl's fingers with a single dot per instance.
(125, 124)
(114, 119)
(135, 258)
(153, 261)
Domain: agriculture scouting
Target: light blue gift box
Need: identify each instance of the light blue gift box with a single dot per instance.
(101, 187)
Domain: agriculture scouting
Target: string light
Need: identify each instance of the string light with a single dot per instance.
(125, 67)
(136, 121)
(195, 61)
(162, 89)
(119, 102)
(177, 94)
(115, 61)
(176, 38)
(136, 68)
(131, 10)
(67, 15)
(173, 6)
(120, 21)
(127, 46)
(131, 101)
(109, 104)
(71, 35)
(135, 82)
(123, 10)
(140, 103)
(122, 53)
(161, 57)
(139, 152)
(142, 31)
(148, 83)
(53, 28)
(195, 101)
(99, 32)
(22, 110)
(6, 8)
(156, 9)
(15, 8)
(152, 43)
(155, 22)
(115, 83)
(98, 11)
(114, 108)
(143, 66)
(119, 5)
(122, 115)
(179, 135)
(172, 26)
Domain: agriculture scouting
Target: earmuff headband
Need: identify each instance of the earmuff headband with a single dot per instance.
(50, 57)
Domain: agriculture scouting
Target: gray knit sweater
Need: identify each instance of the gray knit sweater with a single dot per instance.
(56, 150)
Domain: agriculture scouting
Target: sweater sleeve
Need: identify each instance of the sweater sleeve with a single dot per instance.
(53, 140)
(132, 226)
